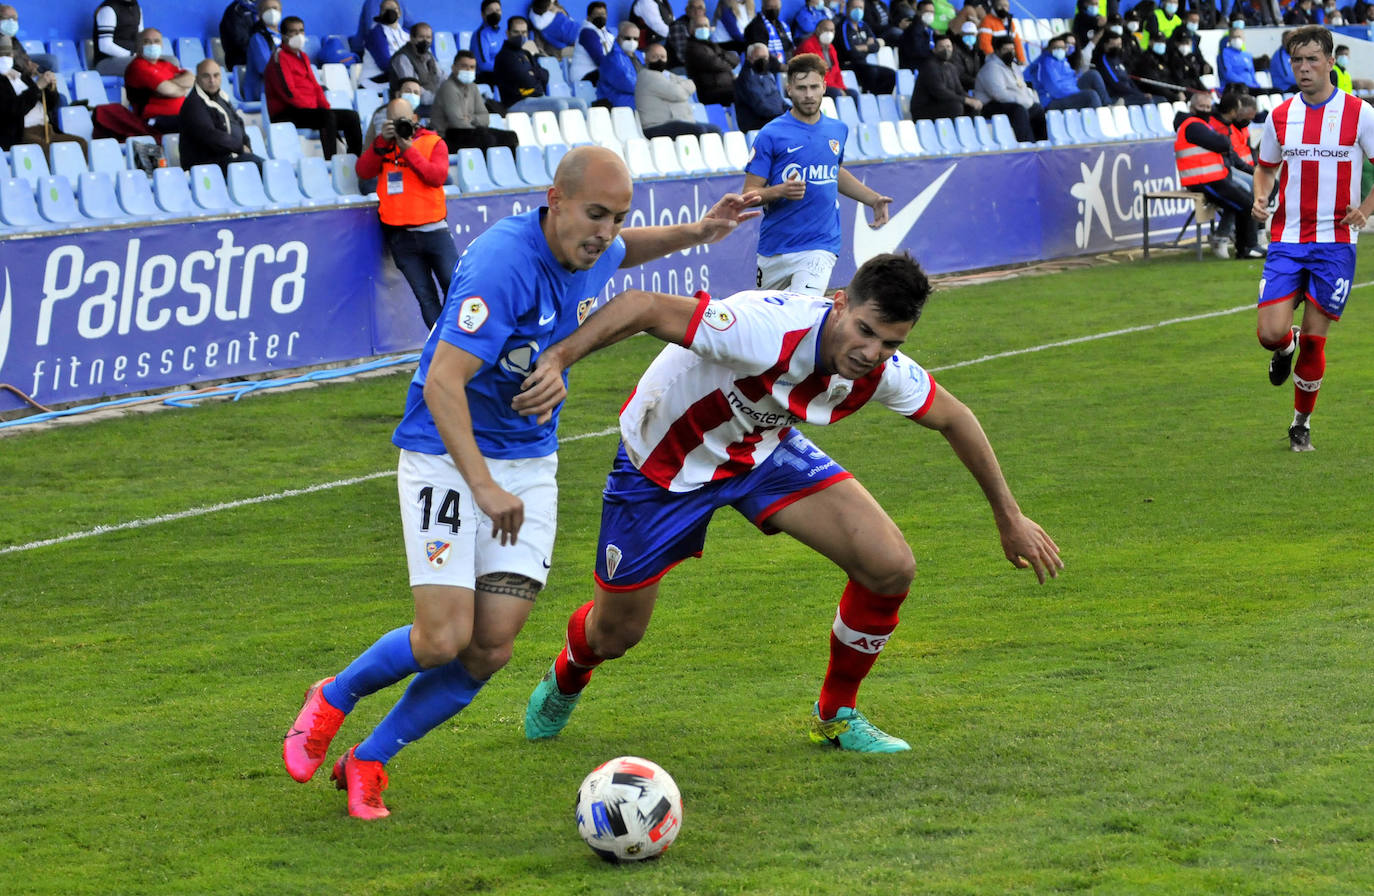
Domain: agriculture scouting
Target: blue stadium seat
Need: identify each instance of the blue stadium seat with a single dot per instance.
(17, 208)
(344, 171)
(68, 160)
(555, 69)
(245, 186)
(367, 102)
(585, 90)
(171, 149)
(949, 137)
(339, 99)
(57, 201)
(75, 120)
(1001, 129)
(851, 82)
(135, 194)
(868, 107)
(853, 150)
(279, 180)
(317, 181)
(95, 195)
(472, 172)
(27, 161)
(64, 51)
(129, 145)
(1054, 123)
(906, 81)
(5, 173)
(89, 86)
(256, 141)
(209, 190)
(1092, 126)
(1073, 124)
(869, 144)
(107, 155)
(190, 52)
(283, 142)
(969, 137)
(888, 109)
(172, 189)
(719, 116)
(501, 168)
(445, 48)
(553, 155)
(847, 111)
(529, 161)
(983, 127)
(33, 47)
(930, 139)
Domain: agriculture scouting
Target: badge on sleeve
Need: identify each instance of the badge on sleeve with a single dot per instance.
(718, 317)
(473, 315)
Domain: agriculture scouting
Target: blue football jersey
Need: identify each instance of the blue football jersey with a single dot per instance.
(509, 299)
(786, 147)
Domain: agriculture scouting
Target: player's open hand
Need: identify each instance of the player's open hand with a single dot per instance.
(1027, 545)
(1354, 218)
(506, 511)
(729, 212)
(542, 391)
(880, 213)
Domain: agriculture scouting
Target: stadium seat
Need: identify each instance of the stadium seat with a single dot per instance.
(664, 154)
(869, 143)
(57, 200)
(625, 124)
(75, 120)
(545, 125)
(968, 136)
(887, 57)
(713, 153)
(68, 160)
(689, 156)
(888, 140)
(171, 149)
(828, 107)
(317, 181)
(89, 86)
(1001, 129)
(555, 69)
(135, 194)
(256, 141)
(553, 155)
(868, 107)
(5, 173)
(472, 172)
(518, 123)
(983, 128)
(1122, 117)
(208, 189)
(530, 163)
(585, 91)
(28, 162)
(445, 49)
(908, 138)
(1073, 123)
(1106, 123)
(573, 125)
(736, 150)
(1153, 116)
(949, 137)
(847, 111)
(343, 170)
(888, 109)
(339, 99)
(1054, 123)
(335, 77)
(64, 51)
(699, 115)
(129, 145)
(172, 190)
(283, 142)
(1092, 126)
(280, 184)
(190, 51)
(17, 207)
(95, 196)
(245, 186)
(853, 150)
(367, 102)
(640, 158)
(925, 130)
(719, 116)
(851, 82)
(88, 52)
(501, 168)
(906, 81)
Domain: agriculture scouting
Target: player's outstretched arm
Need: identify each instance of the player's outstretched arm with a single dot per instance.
(1023, 541)
(447, 399)
(851, 186)
(644, 244)
(665, 316)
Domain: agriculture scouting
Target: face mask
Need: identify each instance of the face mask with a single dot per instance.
(492, 19)
(825, 37)
(1060, 54)
(1170, 9)
(856, 15)
(1343, 61)
(927, 19)
(1114, 29)
(598, 22)
(1113, 54)
(629, 46)
(1243, 123)
(271, 18)
(702, 34)
(413, 99)
(9, 27)
(152, 52)
(466, 77)
(6, 64)
(518, 39)
(1007, 57)
(1133, 27)
(969, 39)
(422, 46)
(1237, 43)
(658, 65)
(771, 13)
(296, 42)
(1238, 23)
(388, 17)
(760, 65)
(1192, 27)
(1158, 49)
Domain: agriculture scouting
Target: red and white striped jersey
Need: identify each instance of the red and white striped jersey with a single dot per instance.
(720, 407)
(1322, 150)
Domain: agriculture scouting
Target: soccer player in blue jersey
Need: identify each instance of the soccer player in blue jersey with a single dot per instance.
(795, 168)
(476, 480)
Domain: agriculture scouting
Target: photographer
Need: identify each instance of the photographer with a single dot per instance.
(411, 165)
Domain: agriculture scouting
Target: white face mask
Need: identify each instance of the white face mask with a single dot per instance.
(152, 52)
(9, 27)
(6, 65)
(629, 46)
(1114, 29)
(1133, 27)
(1061, 54)
(466, 77)
(927, 19)
(825, 37)
(413, 99)
(296, 42)
(1192, 26)
(271, 17)
(1237, 43)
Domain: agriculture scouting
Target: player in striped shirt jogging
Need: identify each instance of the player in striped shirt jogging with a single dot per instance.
(1315, 145)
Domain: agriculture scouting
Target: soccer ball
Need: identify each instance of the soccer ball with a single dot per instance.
(629, 809)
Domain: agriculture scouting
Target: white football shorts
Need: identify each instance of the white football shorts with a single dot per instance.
(448, 539)
(805, 272)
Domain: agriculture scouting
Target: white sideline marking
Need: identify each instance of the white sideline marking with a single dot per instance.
(340, 483)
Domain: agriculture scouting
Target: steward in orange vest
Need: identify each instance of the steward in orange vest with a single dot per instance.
(1202, 151)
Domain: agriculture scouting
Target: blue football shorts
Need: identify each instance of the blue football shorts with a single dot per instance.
(646, 530)
(1320, 273)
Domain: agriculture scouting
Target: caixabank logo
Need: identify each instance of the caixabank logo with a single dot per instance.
(1110, 198)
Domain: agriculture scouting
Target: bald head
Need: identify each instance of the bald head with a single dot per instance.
(591, 168)
(208, 76)
(588, 203)
(399, 108)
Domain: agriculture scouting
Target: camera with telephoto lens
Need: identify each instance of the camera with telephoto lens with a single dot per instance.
(405, 128)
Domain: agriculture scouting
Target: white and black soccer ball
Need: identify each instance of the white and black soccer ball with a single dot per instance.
(629, 809)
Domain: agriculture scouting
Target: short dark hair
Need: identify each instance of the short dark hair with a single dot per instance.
(486, 3)
(513, 19)
(805, 64)
(418, 25)
(465, 54)
(895, 283)
(291, 20)
(595, 4)
(1309, 34)
(1006, 40)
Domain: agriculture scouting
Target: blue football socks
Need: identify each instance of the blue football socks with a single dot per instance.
(386, 662)
(434, 696)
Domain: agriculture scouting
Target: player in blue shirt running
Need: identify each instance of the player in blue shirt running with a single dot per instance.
(796, 169)
(476, 480)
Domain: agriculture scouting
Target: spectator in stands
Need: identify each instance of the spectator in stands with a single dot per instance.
(767, 28)
(1281, 68)
(518, 76)
(1185, 64)
(1252, 12)
(972, 12)
(902, 17)
(1341, 72)
(808, 16)
(551, 27)
(1000, 23)
(967, 59)
(1136, 39)
(711, 67)
(1359, 13)
(1152, 74)
(917, 43)
(653, 18)
(664, 99)
(856, 42)
(731, 18)
(1003, 91)
(822, 44)
(1234, 64)
(1163, 22)
(409, 91)
(368, 17)
(212, 131)
(415, 62)
(1332, 17)
(1302, 13)
(117, 26)
(294, 95)
(1202, 150)
(27, 104)
(680, 31)
(878, 18)
(157, 85)
(1111, 66)
(262, 48)
(620, 69)
(1058, 86)
(384, 39)
(25, 64)
(594, 41)
(411, 166)
(1087, 20)
(460, 114)
(757, 98)
(487, 41)
(938, 92)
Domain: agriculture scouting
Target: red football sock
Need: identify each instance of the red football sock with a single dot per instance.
(1308, 372)
(576, 660)
(863, 623)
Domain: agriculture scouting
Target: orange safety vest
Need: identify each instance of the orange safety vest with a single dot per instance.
(1240, 140)
(1196, 165)
(418, 203)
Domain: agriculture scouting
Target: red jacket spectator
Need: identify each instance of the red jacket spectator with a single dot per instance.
(833, 78)
(290, 83)
(141, 79)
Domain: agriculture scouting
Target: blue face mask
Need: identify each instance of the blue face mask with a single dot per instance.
(702, 33)
(9, 27)
(413, 99)
(152, 52)
(856, 14)
(969, 40)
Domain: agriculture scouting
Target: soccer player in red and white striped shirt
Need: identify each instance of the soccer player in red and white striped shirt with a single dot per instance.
(710, 425)
(1315, 144)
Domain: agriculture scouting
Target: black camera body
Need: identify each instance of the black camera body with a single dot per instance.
(405, 128)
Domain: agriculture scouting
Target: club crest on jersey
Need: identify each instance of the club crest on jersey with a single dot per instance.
(437, 552)
(584, 308)
(613, 556)
(835, 147)
(718, 317)
(473, 314)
